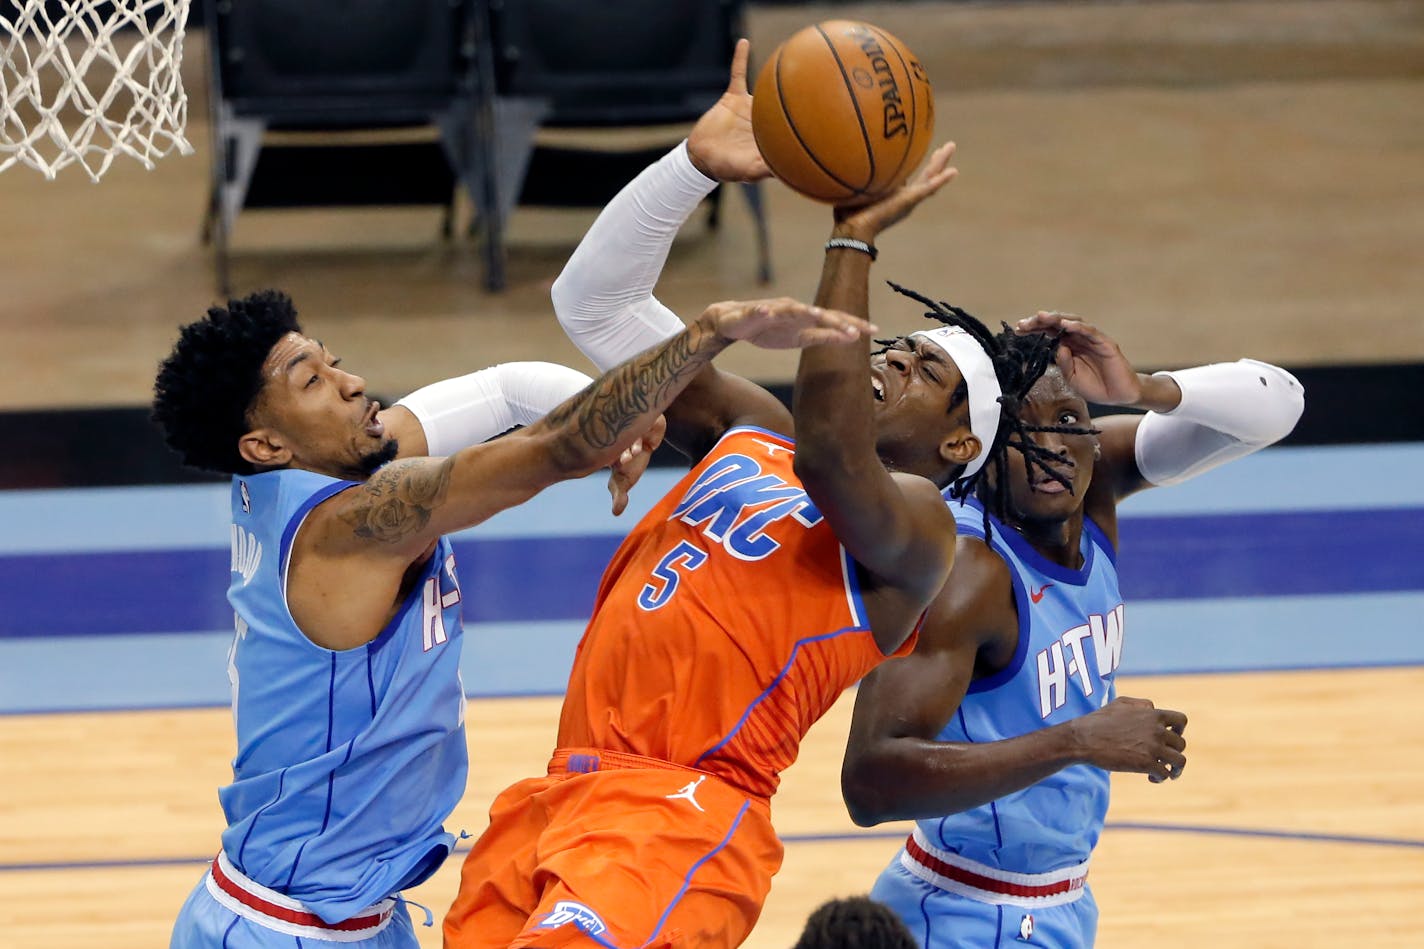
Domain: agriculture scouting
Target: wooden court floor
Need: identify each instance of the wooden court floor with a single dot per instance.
(1298, 822)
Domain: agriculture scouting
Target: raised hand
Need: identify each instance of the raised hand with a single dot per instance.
(1091, 361)
(784, 323)
(864, 222)
(721, 144)
(1131, 734)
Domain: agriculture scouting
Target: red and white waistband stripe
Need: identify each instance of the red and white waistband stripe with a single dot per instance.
(273, 910)
(950, 871)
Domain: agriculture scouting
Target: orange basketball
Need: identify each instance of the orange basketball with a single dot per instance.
(843, 112)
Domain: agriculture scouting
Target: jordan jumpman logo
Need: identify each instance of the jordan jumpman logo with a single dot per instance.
(689, 793)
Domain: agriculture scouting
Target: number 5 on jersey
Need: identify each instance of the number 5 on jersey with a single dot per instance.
(685, 557)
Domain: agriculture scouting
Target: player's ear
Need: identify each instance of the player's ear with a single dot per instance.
(960, 446)
(264, 448)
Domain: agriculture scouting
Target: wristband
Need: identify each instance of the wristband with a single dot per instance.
(850, 243)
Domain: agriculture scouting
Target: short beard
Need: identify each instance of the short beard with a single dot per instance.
(374, 461)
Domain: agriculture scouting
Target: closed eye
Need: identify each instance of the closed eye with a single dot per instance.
(930, 361)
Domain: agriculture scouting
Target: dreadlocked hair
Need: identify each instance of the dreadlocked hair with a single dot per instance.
(855, 923)
(210, 380)
(1019, 360)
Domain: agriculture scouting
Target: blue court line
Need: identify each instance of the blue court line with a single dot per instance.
(556, 578)
(789, 839)
(105, 673)
(196, 516)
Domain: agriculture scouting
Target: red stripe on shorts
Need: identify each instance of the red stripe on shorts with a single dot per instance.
(970, 878)
(286, 915)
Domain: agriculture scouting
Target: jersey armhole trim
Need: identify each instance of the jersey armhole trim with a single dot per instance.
(854, 600)
(1101, 537)
(289, 536)
(1025, 621)
(757, 429)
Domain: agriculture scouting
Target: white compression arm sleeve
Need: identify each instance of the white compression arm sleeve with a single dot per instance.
(604, 297)
(1228, 410)
(467, 410)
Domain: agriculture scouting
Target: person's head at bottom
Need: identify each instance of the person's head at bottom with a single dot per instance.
(855, 922)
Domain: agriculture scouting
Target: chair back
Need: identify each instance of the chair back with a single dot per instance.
(338, 60)
(616, 62)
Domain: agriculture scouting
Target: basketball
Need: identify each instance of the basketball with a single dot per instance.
(843, 112)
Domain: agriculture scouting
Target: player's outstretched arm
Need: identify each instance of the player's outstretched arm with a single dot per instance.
(895, 769)
(441, 418)
(1197, 418)
(895, 526)
(446, 416)
(408, 504)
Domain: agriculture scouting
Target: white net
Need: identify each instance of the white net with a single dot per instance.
(84, 80)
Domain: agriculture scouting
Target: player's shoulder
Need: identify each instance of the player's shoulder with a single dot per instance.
(976, 602)
(926, 496)
(979, 570)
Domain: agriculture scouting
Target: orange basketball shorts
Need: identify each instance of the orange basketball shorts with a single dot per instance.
(616, 851)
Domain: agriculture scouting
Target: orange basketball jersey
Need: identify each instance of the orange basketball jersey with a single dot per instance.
(728, 622)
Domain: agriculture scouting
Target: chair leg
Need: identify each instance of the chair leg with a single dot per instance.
(447, 220)
(753, 193)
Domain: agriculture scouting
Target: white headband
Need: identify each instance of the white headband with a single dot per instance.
(981, 381)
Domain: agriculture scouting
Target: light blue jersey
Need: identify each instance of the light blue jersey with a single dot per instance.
(1000, 862)
(347, 762)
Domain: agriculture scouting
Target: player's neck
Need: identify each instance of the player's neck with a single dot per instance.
(1058, 541)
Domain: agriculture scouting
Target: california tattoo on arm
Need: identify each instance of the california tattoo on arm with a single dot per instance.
(627, 392)
(397, 501)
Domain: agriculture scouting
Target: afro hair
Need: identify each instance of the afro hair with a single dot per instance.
(209, 382)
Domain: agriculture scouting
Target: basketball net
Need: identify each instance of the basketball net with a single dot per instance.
(91, 79)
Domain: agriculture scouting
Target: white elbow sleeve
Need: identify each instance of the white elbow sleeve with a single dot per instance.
(470, 409)
(1227, 410)
(604, 296)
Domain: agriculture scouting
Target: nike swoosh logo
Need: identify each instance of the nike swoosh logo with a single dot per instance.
(1037, 595)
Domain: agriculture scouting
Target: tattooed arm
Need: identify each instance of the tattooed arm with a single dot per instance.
(351, 557)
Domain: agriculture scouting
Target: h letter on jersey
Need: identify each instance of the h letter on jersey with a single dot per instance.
(434, 603)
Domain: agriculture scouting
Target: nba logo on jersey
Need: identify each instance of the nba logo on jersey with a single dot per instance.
(567, 911)
(1026, 928)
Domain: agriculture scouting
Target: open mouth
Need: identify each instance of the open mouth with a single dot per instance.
(877, 387)
(374, 426)
(1045, 484)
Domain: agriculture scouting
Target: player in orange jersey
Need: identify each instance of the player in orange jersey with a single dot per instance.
(773, 576)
